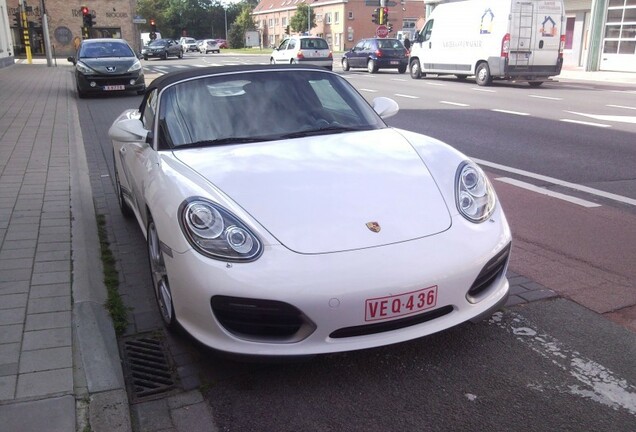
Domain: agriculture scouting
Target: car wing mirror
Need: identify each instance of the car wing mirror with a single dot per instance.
(385, 107)
(128, 131)
(71, 59)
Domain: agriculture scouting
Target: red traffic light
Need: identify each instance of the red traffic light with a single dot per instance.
(85, 11)
(152, 21)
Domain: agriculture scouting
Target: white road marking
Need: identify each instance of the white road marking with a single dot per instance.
(585, 123)
(509, 112)
(545, 97)
(434, 84)
(547, 192)
(624, 91)
(368, 90)
(406, 96)
(592, 191)
(454, 103)
(596, 382)
(621, 106)
(398, 79)
(484, 90)
(619, 119)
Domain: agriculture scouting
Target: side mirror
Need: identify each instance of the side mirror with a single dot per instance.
(385, 107)
(71, 59)
(128, 131)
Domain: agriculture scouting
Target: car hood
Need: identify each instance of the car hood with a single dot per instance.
(329, 193)
(109, 65)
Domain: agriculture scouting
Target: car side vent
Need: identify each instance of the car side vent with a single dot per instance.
(491, 271)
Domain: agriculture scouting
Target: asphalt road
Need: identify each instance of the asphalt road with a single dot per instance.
(549, 365)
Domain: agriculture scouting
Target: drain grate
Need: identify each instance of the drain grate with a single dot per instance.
(149, 373)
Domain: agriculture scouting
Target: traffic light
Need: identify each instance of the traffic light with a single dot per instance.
(87, 18)
(376, 16)
(153, 29)
(17, 23)
(385, 15)
(287, 30)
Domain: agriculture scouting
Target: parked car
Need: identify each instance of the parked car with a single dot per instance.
(308, 50)
(374, 54)
(106, 66)
(284, 217)
(222, 43)
(188, 44)
(162, 48)
(209, 45)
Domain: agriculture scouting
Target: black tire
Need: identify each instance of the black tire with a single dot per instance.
(146, 58)
(415, 69)
(482, 74)
(372, 66)
(461, 77)
(164, 56)
(81, 94)
(142, 91)
(402, 69)
(535, 83)
(180, 55)
(159, 277)
(271, 61)
(125, 209)
(329, 68)
(218, 51)
(345, 64)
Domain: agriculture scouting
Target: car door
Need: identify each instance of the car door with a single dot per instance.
(355, 59)
(278, 54)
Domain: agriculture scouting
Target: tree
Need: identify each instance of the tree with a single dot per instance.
(243, 23)
(298, 22)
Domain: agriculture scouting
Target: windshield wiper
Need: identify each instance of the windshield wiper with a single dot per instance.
(324, 130)
(222, 141)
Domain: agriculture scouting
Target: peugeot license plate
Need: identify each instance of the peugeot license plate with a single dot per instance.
(114, 87)
(381, 308)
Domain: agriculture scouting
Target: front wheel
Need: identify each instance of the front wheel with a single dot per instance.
(159, 277)
(345, 65)
(180, 55)
(125, 209)
(482, 75)
(535, 83)
(372, 67)
(272, 61)
(415, 69)
(402, 69)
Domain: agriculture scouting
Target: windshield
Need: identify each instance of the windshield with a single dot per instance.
(160, 42)
(240, 108)
(106, 49)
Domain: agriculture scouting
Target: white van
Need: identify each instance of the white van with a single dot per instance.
(510, 40)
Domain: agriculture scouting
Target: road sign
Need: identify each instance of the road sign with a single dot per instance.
(139, 20)
(382, 31)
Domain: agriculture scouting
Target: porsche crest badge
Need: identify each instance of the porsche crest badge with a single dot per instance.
(374, 226)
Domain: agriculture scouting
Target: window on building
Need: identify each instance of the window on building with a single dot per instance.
(328, 18)
(569, 32)
(350, 14)
(271, 22)
(336, 17)
(284, 21)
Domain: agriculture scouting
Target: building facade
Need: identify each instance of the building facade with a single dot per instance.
(600, 34)
(113, 19)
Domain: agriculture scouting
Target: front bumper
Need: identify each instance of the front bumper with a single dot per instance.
(105, 83)
(154, 53)
(321, 298)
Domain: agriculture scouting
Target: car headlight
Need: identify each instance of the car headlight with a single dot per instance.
(82, 68)
(216, 233)
(135, 67)
(474, 194)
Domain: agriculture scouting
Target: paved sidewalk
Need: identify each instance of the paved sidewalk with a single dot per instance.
(59, 362)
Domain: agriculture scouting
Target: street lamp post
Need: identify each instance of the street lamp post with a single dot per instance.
(225, 9)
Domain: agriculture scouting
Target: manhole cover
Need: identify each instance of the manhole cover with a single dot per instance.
(148, 370)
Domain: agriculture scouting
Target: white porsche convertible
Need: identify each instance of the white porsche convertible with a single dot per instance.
(284, 217)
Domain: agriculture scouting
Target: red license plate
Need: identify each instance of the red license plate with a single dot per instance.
(381, 308)
(114, 87)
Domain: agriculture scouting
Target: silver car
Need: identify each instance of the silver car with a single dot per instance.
(209, 45)
(307, 50)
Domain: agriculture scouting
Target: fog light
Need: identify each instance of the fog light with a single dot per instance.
(93, 84)
(132, 82)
